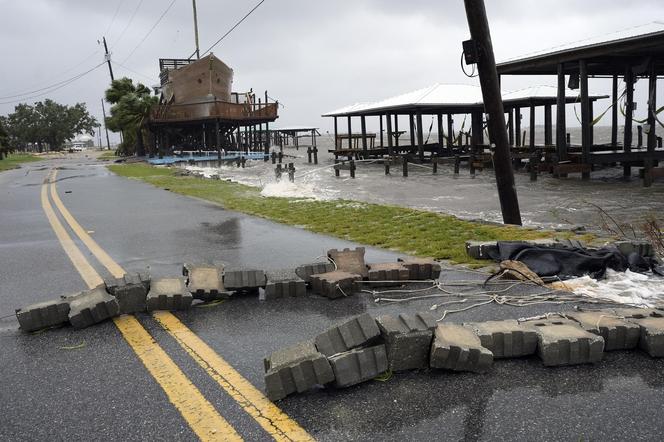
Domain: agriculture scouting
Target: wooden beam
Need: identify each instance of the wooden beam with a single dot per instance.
(363, 123)
(388, 121)
(350, 139)
(614, 113)
(450, 130)
(441, 137)
(420, 137)
(510, 127)
(336, 134)
(585, 115)
(380, 123)
(517, 125)
(396, 129)
(652, 115)
(561, 126)
(532, 128)
(548, 126)
(411, 119)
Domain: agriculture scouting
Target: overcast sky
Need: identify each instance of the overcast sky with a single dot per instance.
(311, 55)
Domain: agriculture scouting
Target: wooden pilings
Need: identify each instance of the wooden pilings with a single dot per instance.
(629, 110)
(586, 138)
(561, 127)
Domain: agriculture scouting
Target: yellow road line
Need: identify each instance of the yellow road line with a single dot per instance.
(88, 273)
(197, 411)
(91, 244)
(268, 415)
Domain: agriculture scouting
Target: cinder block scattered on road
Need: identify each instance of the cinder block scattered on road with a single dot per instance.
(353, 333)
(244, 280)
(651, 339)
(637, 313)
(458, 348)
(349, 260)
(334, 284)
(358, 365)
(42, 315)
(564, 342)
(92, 306)
(506, 339)
(305, 271)
(481, 249)
(388, 271)
(285, 289)
(618, 334)
(421, 268)
(168, 294)
(297, 368)
(407, 339)
(130, 290)
(205, 282)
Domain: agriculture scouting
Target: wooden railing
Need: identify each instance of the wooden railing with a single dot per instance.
(213, 110)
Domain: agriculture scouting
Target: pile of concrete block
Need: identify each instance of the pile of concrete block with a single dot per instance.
(362, 348)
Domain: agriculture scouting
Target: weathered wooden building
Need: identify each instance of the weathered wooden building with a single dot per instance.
(198, 110)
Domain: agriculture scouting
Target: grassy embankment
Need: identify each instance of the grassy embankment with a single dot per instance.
(14, 160)
(411, 231)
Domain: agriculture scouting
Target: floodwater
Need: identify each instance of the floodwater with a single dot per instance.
(549, 202)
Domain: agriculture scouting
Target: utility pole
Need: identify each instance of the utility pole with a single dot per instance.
(198, 52)
(107, 56)
(480, 50)
(103, 111)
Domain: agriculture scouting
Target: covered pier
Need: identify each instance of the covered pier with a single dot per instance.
(624, 57)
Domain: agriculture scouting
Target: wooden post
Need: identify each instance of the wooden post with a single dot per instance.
(561, 128)
(476, 129)
(396, 130)
(614, 113)
(411, 121)
(585, 115)
(364, 134)
(380, 122)
(591, 129)
(548, 126)
(441, 135)
(450, 130)
(388, 121)
(420, 137)
(517, 125)
(493, 106)
(336, 134)
(404, 163)
(350, 139)
(510, 127)
(652, 136)
(532, 128)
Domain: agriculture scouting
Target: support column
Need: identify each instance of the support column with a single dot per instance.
(531, 141)
(411, 120)
(561, 126)
(548, 126)
(510, 127)
(629, 110)
(517, 125)
(614, 113)
(350, 139)
(363, 123)
(476, 129)
(652, 135)
(441, 138)
(336, 134)
(420, 137)
(450, 130)
(585, 115)
(396, 130)
(388, 121)
(380, 122)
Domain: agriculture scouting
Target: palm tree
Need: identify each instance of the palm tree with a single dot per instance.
(130, 108)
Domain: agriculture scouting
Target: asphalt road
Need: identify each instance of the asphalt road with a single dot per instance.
(90, 385)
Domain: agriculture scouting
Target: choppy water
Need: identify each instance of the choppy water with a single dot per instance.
(549, 202)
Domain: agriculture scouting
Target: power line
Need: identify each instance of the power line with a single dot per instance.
(131, 19)
(234, 26)
(110, 25)
(53, 87)
(131, 70)
(150, 31)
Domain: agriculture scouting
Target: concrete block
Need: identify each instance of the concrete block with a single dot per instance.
(130, 290)
(205, 282)
(285, 289)
(421, 268)
(506, 339)
(458, 348)
(618, 334)
(358, 365)
(481, 249)
(564, 342)
(407, 339)
(637, 313)
(244, 280)
(305, 271)
(643, 248)
(91, 307)
(389, 271)
(355, 332)
(297, 368)
(350, 260)
(334, 284)
(42, 315)
(651, 339)
(168, 294)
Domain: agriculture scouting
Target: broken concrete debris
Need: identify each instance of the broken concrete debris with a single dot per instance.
(651, 339)
(563, 342)
(168, 294)
(458, 348)
(43, 315)
(248, 281)
(355, 332)
(350, 261)
(358, 365)
(618, 334)
(284, 284)
(91, 307)
(391, 272)
(130, 291)
(334, 284)
(421, 268)
(407, 339)
(305, 271)
(205, 282)
(506, 339)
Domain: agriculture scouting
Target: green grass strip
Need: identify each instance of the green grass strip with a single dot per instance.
(411, 231)
(14, 160)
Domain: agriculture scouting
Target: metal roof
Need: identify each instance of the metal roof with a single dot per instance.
(455, 98)
(642, 40)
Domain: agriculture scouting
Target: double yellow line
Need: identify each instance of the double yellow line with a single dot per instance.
(197, 411)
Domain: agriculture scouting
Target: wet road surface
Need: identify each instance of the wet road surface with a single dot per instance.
(89, 384)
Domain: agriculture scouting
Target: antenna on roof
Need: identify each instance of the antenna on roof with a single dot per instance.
(198, 52)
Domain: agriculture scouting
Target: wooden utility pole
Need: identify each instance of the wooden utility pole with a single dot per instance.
(198, 51)
(107, 56)
(493, 106)
(103, 111)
